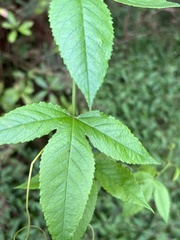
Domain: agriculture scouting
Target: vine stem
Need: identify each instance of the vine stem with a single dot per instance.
(32, 226)
(74, 98)
(168, 165)
(93, 237)
(27, 194)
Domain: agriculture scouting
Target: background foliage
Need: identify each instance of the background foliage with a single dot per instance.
(141, 89)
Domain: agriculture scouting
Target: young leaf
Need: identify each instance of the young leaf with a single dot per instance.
(12, 36)
(7, 25)
(114, 139)
(34, 184)
(119, 182)
(88, 213)
(66, 176)
(29, 122)
(149, 3)
(84, 34)
(176, 174)
(24, 28)
(162, 200)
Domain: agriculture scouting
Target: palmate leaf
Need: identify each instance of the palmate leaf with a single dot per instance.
(67, 165)
(83, 31)
(149, 3)
(66, 173)
(119, 182)
(29, 122)
(114, 139)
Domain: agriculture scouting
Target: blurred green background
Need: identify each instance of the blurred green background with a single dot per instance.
(141, 88)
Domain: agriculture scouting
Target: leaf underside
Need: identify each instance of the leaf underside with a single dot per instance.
(83, 31)
(149, 3)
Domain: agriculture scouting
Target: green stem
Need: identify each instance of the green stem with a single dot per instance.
(93, 236)
(27, 194)
(164, 169)
(74, 98)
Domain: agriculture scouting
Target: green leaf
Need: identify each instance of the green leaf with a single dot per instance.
(24, 31)
(12, 36)
(12, 20)
(34, 184)
(147, 169)
(176, 174)
(29, 122)
(132, 209)
(83, 31)
(114, 139)
(88, 213)
(119, 182)
(66, 174)
(146, 183)
(27, 24)
(41, 82)
(24, 28)
(149, 3)
(162, 200)
(7, 25)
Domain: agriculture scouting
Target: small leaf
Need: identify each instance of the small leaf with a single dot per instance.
(149, 3)
(34, 184)
(24, 28)
(12, 36)
(27, 24)
(7, 25)
(88, 213)
(66, 177)
(12, 20)
(29, 122)
(162, 200)
(24, 31)
(84, 33)
(41, 82)
(119, 182)
(114, 139)
(176, 174)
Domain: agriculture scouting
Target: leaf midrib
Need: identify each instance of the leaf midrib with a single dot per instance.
(85, 47)
(67, 177)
